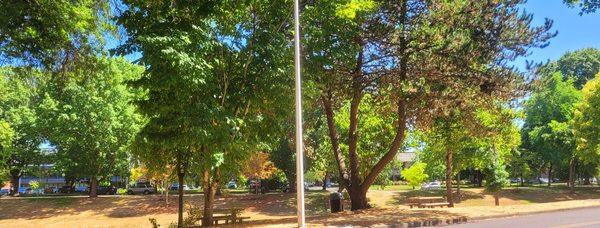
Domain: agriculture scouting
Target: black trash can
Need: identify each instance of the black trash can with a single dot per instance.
(335, 201)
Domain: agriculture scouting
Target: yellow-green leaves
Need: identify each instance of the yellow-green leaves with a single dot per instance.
(349, 9)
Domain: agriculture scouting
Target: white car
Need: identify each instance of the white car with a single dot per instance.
(436, 185)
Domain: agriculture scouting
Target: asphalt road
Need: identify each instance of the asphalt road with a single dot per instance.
(586, 217)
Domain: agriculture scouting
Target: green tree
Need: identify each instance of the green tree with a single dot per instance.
(471, 140)
(418, 57)
(215, 73)
(547, 130)
(579, 66)
(19, 120)
(92, 120)
(496, 179)
(587, 123)
(415, 174)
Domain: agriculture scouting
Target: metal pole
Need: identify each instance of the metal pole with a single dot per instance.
(299, 141)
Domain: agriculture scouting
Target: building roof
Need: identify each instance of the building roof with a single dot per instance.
(406, 157)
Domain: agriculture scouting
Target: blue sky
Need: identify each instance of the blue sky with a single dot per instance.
(574, 31)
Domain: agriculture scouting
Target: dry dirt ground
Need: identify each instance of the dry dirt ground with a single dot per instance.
(278, 210)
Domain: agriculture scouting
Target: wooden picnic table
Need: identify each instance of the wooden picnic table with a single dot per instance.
(228, 215)
(428, 201)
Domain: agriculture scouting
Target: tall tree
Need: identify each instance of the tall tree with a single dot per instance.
(547, 130)
(92, 120)
(419, 57)
(587, 123)
(214, 73)
(470, 140)
(19, 121)
(20, 117)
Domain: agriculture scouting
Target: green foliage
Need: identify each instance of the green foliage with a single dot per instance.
(547, 131)
(587, 6)
(496, 177)
(46, 33)
(376, 130)
(35, 185)
(587, 123)
(20, 130)
(121, 191)
(519, 166)
(92, 120)
(472, 138)
(415, 174)
(410, 63)
(349, 9)
(578, 66)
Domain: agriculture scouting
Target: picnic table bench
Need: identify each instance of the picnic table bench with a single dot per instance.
(428, 202)
(231, 215)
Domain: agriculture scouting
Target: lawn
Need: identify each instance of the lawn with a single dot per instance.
(278, 209)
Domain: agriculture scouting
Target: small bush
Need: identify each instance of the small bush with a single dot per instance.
(121, 191)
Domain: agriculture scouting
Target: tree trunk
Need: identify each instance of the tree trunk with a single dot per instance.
(550, 175)
(94, 187)
(210, 188)
(479, 178)
(572, 174)
(358, 200)
(209, 201)
(458, 185)
(166, 191)
(449, 178)
(325, 180)
(180, 180)
(522, 181)
(497, 199)
(291, 181)
(14, 183)
(335, 141)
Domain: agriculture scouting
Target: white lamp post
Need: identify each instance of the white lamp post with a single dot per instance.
(299, 141)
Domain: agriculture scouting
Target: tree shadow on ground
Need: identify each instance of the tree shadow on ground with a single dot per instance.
(544, 194)
(403, 198)
(364, 218)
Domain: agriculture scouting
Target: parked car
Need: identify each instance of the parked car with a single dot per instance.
(66, 189)
(515, 180)
(24, 190)
(231, 185)
(51, 190)
(141, 188)
(436, 185)
(4, 191)
(106, 190)
(286, 187)
(175, 187)
(39, 191)
(81, 189)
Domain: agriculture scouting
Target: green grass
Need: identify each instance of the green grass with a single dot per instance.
(401, 187)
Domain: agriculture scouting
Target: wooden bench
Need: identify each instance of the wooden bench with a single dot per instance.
(427, 202)
(432, 205)
(228, 216)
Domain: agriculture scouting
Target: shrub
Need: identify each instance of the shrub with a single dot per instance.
(35, 185)
(415, 175)
(121, 191)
